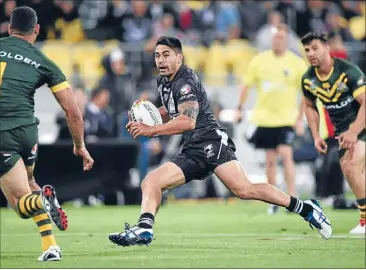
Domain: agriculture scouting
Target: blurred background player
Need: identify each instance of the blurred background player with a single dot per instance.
(276, 76)
(23, 69)
(207, 149)
(341, 86)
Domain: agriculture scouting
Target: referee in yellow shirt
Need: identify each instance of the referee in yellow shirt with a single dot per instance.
(276, 76)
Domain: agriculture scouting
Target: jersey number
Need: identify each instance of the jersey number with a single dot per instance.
(2, 70)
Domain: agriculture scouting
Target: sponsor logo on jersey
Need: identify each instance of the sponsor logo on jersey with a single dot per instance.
(340, 105)
(185, 89)
(209, 151)
(342, 87)
(19, 57)
(171, 105)
(313, 87)
(326, 85)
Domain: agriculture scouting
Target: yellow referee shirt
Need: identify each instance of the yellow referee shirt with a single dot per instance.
(277, 80)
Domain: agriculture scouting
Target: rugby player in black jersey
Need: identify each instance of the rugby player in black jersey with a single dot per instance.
(206, 149)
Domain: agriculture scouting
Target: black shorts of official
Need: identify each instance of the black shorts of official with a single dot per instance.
(271, 137)
(199, 159)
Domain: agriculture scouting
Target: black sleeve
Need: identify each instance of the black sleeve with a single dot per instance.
(185, 91)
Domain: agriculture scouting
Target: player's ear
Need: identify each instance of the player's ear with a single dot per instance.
(180, 58)
(327, 47)
(36, 29)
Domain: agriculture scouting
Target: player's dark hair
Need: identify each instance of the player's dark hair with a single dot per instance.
(172, 42)
(309, 37)
(23, 20)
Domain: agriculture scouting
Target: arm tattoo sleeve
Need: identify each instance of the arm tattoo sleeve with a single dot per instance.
(189, 108)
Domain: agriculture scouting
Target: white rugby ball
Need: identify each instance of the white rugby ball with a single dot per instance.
(145, 112)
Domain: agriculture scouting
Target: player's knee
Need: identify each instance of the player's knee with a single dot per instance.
(271, 164)
(149, 182)
(246, 193)
(350, 168)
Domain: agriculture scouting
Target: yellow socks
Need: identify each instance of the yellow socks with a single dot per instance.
(29, 205)
(45, 229)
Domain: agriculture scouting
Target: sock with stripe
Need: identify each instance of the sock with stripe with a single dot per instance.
(29, 205)
(361, 203)
(299, 207)
(146, 221)
(45, 229)
(43, 222)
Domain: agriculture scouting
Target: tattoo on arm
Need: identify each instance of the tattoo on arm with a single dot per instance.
(189, 108)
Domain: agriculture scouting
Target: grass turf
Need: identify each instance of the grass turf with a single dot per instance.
(191, 235)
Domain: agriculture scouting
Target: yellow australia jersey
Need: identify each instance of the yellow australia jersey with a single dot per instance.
(277, 80)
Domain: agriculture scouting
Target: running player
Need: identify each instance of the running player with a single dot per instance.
(340, 86)
(207, 149)
(23, 69)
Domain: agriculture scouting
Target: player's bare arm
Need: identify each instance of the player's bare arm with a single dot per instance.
(312, 116)
(359, 124)
(164, 114)
(75, 122)
(67, 101)
(185, 121)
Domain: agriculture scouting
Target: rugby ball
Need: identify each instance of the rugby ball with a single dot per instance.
(145, 112)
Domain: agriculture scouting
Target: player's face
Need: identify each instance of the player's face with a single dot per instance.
(166, 60)
(316, 51)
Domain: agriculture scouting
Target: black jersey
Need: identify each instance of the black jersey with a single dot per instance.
(185, 86)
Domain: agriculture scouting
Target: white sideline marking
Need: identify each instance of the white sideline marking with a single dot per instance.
(283, 236)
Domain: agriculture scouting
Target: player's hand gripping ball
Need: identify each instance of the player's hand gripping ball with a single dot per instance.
(143, 116)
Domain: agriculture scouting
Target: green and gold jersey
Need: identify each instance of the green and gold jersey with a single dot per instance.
(23, 69)
(337, 92)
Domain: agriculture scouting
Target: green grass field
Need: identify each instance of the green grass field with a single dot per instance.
(190, 235)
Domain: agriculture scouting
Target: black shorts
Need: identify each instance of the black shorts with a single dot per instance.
(199, 159)
(271, 138)
(17, 143)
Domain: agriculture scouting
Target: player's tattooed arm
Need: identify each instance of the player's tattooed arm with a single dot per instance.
(189, 108)
(186, 120)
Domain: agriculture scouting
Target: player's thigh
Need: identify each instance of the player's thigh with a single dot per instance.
(285, 152)
(354, 158)
(271, 157)
(167, 176)
(14, 183)
(233, 176)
